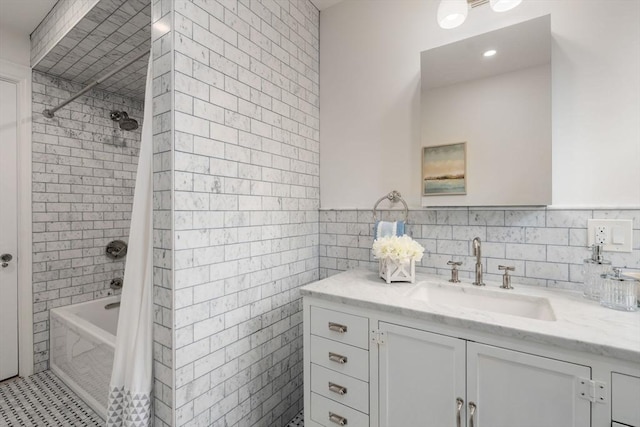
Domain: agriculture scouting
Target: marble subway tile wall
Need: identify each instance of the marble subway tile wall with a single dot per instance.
(83, 180)
(58, 22)
(163, 342)
(546, 246)
(246, 179)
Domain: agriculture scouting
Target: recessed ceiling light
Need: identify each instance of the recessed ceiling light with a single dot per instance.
(489, 53)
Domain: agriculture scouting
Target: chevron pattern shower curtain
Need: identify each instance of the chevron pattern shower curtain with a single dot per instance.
(132, 379)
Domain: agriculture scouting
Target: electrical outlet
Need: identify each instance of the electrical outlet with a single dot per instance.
(615, 235)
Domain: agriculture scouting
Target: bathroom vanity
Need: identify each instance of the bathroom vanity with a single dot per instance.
(440, 354)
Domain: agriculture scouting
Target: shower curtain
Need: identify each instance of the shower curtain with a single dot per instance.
(132, 379)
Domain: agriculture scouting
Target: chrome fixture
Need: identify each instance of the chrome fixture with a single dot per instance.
(126, 123)
(454, 270)
(116, 249)
(116, 284)
(477, 253)
(393, 197)
(112, 305)
(6, 259)
(452, 13)
(506, 279)
(50, 112)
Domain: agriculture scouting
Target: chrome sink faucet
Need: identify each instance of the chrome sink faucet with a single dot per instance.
(477, 253)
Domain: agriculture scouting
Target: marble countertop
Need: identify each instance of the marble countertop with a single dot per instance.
(580, 324)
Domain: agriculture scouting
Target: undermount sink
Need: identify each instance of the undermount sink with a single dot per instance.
(482, 299)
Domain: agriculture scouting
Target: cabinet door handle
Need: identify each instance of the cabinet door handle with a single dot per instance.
(336, 327)
(472, 411)
(338, 389)
(459, 403)
(338, 358)
(335, 418)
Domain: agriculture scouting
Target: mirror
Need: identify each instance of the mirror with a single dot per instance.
(500, 106)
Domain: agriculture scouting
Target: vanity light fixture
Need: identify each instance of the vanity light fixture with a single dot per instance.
(489, 53)
(452, 13)
(503, 5)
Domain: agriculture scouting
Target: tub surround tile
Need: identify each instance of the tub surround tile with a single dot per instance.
(84, 176)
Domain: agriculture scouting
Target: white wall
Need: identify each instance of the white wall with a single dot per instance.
(370, 97)
(14, 47)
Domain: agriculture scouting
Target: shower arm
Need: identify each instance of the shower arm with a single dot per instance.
(50, 112)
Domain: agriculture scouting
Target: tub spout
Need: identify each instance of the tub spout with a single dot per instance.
(112, 305)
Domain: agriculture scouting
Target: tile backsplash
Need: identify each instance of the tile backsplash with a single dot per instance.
(546, 246)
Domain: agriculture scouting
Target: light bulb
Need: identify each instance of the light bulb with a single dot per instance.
(503, 5)
(452, 13)
(489, 53)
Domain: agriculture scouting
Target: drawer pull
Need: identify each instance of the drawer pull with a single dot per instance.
(335, 418)
(338, 358)
(336, 327)
(338, 389)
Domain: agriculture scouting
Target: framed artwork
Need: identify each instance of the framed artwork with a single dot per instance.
(444, 169)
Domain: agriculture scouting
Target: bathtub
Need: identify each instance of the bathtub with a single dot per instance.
(82, 339)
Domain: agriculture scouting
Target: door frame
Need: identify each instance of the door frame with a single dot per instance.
(21, 76)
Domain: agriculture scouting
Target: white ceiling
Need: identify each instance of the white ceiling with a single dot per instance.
(23, 16)
(320, 4)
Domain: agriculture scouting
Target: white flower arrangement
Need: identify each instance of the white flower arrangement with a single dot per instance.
(402, 248)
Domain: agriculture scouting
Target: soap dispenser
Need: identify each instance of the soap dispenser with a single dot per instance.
(594, 268)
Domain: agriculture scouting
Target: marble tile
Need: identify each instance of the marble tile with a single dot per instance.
(530, 218)
(488, 217)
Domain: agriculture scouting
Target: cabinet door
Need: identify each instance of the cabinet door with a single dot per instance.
(421, 375)
(513, 389)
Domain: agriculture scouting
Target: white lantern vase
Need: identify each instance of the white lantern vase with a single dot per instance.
(393, 270)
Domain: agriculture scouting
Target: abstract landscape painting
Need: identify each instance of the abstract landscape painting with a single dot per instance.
(444, 169)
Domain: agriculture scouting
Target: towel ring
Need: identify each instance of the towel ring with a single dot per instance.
(393, 197)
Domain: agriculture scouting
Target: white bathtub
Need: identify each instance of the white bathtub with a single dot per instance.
(82, 340)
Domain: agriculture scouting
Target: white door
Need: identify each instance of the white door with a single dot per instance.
(513, 389)
(422, 376)
(8, 231)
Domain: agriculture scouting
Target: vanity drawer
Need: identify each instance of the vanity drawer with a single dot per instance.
(341, 388)
(328, 413)
(346, 359)
(341, 327)
(625, 395)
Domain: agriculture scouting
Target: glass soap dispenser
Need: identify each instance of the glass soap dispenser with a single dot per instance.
(594, 268)
(619, 292)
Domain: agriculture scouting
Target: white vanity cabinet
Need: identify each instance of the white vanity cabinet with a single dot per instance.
(428, 379)
(336, 368)
(370, 368)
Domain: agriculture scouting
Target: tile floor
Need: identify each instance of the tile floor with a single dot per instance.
(298, 421)
(43, 400)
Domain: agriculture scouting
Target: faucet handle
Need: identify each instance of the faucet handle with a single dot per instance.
(506, 279)
(454, 270)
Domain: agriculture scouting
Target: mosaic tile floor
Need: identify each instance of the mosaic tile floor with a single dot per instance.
(43, 400)
(298, 421)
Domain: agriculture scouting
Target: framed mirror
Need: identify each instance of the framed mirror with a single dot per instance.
(492, 91)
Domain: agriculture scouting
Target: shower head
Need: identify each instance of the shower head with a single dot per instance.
(126, 123)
